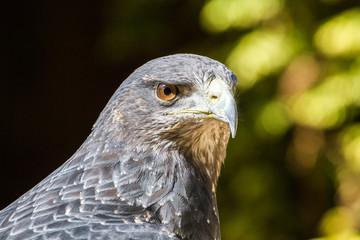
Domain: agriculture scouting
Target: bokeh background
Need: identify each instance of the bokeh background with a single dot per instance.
(293, 171)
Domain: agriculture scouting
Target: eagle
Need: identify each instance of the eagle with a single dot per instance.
(148, 169)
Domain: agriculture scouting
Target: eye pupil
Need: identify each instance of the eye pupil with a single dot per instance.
(167, 91)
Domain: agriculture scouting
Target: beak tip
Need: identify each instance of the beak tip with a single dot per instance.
(233, 128)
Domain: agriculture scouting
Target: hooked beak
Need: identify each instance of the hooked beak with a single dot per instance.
(219, 104)
(225, 110)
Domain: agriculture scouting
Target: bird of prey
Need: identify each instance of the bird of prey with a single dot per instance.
(149, 168)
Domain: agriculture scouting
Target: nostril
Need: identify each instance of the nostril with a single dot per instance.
(214, 99)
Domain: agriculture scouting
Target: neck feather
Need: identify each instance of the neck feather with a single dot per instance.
(203, 142)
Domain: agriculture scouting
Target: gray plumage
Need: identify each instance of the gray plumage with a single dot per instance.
(148, 170)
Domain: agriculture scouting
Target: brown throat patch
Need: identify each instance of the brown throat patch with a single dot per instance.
(203, 142)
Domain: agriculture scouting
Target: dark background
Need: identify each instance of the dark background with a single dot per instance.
(57, 75)
(60, 62)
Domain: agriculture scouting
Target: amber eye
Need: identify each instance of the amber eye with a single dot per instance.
(167, 92)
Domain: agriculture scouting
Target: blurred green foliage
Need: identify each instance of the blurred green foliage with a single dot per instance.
(293, 171)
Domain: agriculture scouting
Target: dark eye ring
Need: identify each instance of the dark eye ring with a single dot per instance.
(167, 92)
